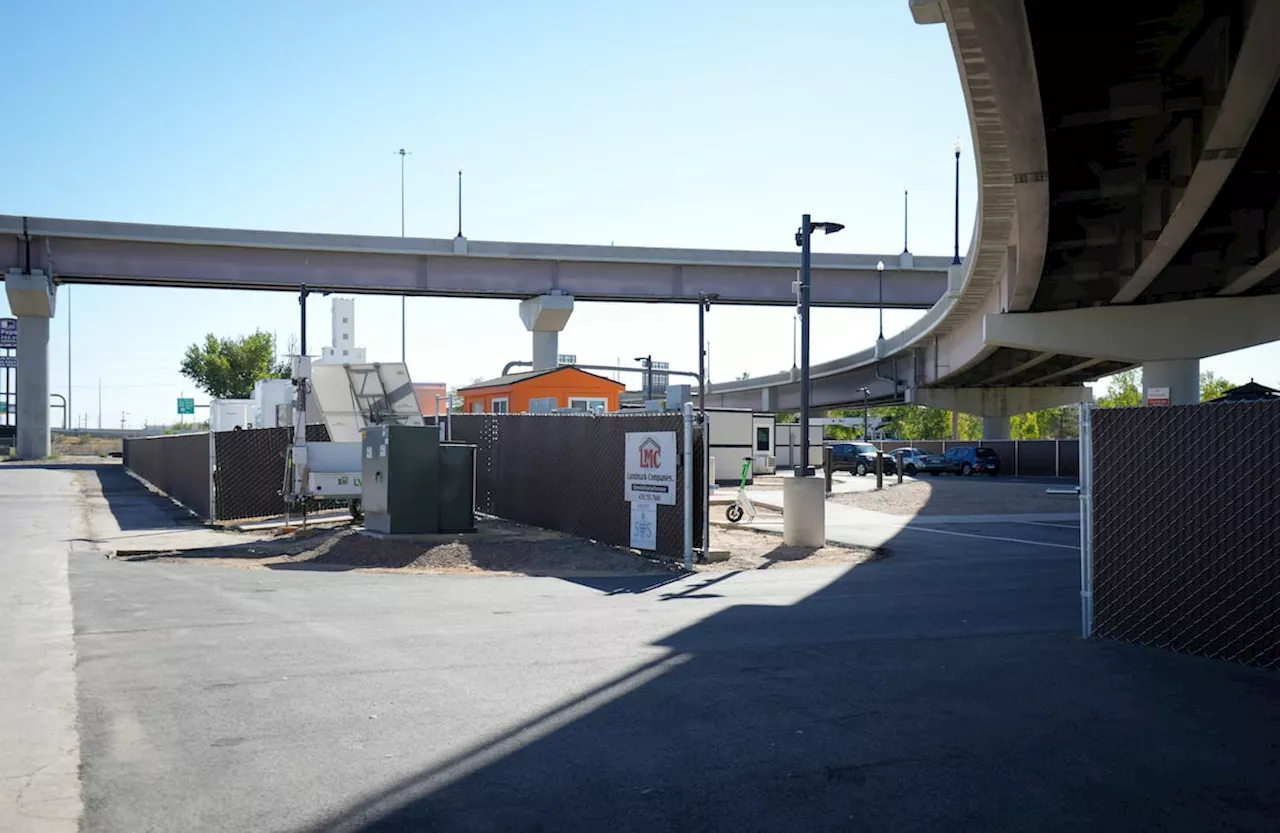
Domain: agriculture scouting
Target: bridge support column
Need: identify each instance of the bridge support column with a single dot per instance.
(31, 298)
(995, 428)
(545, 316)
(1181, 377)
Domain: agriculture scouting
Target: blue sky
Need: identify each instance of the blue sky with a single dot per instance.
(712, 124)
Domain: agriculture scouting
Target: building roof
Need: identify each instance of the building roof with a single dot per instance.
(1249, 392)
(516, 378)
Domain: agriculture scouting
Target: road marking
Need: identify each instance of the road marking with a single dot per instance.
(1073, 527)
(992, 538)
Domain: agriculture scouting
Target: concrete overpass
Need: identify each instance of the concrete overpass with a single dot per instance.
(39, 254)
(1128, 209)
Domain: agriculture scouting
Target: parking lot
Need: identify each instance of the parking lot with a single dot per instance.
(941, 687)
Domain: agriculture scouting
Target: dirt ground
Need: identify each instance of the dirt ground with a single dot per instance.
(945, 495)
(497, 548)
(83, 445)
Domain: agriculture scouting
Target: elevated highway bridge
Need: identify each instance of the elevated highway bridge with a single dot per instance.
(1128, 209)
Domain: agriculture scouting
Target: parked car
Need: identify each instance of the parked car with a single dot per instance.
(964, 461)
(859, 458)
(912, 460)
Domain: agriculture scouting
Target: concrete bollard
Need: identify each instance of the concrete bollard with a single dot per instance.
(804, 512)
(898, 455)
(879, 469)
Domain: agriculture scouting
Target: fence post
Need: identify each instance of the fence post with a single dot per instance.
(688, 485)
(1086, 520)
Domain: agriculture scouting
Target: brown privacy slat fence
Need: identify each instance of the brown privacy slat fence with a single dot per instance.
(565, 472)
(1026, 458)
(1186, 528)
(177, 465)
(248, 470)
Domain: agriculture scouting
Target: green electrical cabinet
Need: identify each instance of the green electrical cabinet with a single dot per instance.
(414, 484)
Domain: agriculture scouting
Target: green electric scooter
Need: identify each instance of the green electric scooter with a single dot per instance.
(743, 505)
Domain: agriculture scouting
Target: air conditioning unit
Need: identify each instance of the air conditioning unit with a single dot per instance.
(765, 464)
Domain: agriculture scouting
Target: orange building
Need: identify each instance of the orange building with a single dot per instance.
(542, 391)
(431, 398)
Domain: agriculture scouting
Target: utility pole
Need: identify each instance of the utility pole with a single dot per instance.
(99, 402)
(122, 416)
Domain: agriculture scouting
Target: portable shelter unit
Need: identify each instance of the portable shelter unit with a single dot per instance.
(735, 434)
(542, 391)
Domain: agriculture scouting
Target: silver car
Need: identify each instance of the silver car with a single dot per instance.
(912, 460)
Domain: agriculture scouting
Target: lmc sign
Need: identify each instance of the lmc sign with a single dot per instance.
(649, 474)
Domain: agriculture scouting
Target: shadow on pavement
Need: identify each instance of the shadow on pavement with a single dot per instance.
(928, 691)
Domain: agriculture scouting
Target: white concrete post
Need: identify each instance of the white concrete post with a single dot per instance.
(31, 298)
(996, 428)
(545, 316)
(1181, 377)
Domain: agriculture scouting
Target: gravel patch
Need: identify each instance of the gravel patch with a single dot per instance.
(496, 548)
(753, 549)
(960, 496)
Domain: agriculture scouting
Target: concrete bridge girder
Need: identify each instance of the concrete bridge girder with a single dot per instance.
(1000, 403)
(1151, 332)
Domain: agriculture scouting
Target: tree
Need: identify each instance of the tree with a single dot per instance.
(744, 376)
(228, 368)
(1123, 391)
(1050, 424)
(1212, 386)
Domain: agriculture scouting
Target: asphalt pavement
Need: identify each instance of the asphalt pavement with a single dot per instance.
(944, 687)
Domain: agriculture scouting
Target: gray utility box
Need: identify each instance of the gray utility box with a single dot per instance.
(413, 483)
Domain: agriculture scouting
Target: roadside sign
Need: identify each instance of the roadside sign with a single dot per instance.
(186, 406)
(8, 361)
(644, 525)
(1157, 396)
(650, 469)
(8, 333)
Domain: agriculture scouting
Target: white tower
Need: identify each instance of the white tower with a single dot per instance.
(343, 350)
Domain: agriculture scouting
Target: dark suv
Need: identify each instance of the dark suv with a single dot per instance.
(859, 458)
(965, 461)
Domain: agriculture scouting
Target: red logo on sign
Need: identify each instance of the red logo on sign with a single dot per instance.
(650, 454)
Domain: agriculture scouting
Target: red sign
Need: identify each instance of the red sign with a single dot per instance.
(650, 454)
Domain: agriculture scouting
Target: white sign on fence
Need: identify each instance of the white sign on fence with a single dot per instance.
(650, 473)
(644, 525)
(1157, 396)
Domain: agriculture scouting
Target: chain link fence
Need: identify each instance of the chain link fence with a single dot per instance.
(1023, 458)
(565, 472)
(1184, 551)
(248, 476)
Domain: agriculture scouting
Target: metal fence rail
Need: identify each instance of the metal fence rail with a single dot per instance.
(176, 464)
(1186, 528)
(565, 472)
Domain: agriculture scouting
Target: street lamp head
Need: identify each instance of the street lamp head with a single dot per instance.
(880, 266)
(828, 228)
(957, 148)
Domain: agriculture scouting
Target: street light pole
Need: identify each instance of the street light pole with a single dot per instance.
(866, 415)
(955, 260)
(402, 153)
(880, 283)
(802, 240)
(648, 375)
(704, 306)
(806, 229)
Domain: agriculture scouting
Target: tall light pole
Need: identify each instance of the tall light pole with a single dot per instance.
(805, 231)
(704, 306)
(647, 362)
(866, 414)
(880, 284)
(955, 260)
(402, 153)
